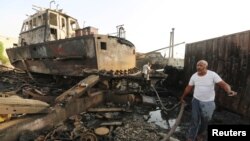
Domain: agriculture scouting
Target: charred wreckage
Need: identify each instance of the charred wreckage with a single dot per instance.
(92, 70)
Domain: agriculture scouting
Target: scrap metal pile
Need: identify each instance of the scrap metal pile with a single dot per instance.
(90, 109)
(98, 107)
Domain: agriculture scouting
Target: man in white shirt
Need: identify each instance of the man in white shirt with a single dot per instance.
(146, 70)
(145, 73)
(203, 105)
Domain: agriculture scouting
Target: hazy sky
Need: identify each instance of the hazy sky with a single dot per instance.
(148, 23)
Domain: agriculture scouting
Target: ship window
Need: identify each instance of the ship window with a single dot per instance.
(133, 51)
(103, 46)
(30, 24)
(53, 34)
(63, 22)
(34, 23)
(25, 26)
(44, 19)
(73, 25)
(53, 19)
(39, 21)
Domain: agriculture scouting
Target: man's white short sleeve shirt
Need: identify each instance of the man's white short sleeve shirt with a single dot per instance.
(204, 85)
(145, 69)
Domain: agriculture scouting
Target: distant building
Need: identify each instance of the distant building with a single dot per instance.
(176, 62)
(157, 60)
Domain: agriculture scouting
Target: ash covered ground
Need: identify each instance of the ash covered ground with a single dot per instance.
(135, 123)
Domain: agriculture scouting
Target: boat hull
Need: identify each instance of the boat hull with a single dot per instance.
(75, 55)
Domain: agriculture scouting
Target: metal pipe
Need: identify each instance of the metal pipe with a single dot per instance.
(163, 48)
(177, 122)
(51, 3)
(162, 106)
(57, 7)
(172, 43)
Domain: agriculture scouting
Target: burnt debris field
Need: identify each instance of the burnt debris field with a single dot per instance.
(66, 109)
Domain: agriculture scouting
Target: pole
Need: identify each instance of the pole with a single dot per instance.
(163, 48)
(172, 43)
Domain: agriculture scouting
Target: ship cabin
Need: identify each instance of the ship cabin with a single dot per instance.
(47, 25)
(52, 42)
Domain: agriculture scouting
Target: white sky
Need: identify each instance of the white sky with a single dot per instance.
(148, 23)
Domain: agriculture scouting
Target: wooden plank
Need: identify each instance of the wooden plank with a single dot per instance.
(238, 104)
(11, 130)
(235, 63)
(20, 109)
(248, 78)
(18, 105)
(106, 109)
(30, 94)
(79, 89)
(228, 74)
(221, 70)
(214, 54)
(209, 49)
(112, 123)
(244, 79)
(16, 100)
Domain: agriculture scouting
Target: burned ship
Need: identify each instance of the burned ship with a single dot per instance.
(51, 42)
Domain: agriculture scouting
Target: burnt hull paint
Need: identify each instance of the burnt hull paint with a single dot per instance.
(72, 56)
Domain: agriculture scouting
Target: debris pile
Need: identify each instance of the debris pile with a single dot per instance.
(87, 110)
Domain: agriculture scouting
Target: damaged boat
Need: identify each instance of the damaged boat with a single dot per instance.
(51, 42)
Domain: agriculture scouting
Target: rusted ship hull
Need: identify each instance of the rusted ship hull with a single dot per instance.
(74, 56)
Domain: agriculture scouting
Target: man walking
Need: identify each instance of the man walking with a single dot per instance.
(203, 105)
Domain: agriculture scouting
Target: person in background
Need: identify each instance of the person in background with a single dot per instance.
(145, 72)
(203, 105)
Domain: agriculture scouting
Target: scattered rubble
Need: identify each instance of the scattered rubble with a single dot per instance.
(155, 116)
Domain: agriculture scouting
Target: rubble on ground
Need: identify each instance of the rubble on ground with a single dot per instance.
(110, 121)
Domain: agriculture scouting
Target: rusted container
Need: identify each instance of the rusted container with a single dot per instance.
(229, 56)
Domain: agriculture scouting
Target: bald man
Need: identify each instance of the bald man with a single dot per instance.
(203, 105)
